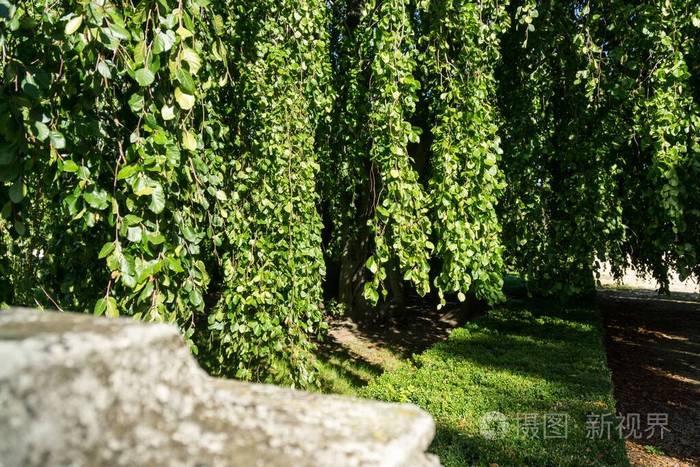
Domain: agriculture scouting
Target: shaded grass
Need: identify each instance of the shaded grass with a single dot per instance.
(525, 358)
(342, 372)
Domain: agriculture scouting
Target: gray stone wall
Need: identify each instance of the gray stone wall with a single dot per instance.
(76, 390)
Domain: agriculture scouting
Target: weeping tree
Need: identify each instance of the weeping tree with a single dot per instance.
(416, 135)
(270, 292)
(111, 178)
(461, 50)
(662, 148)
(561, 212)
(231, 166)
(600, 114)
(149, 148)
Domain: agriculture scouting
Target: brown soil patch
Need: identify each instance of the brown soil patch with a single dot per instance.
(383, 341)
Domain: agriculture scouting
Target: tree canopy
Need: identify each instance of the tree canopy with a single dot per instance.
(236, 167)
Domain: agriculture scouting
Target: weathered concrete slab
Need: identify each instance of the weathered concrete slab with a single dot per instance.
(84, 391)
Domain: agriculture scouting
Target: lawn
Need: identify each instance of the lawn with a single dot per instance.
(533, 362)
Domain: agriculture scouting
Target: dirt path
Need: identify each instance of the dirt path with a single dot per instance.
(654, 353)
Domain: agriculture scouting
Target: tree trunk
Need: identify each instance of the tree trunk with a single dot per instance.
(352, 275)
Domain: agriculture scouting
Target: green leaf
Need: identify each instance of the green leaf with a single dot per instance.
(17, 191)
(70, 166)
(189, 141)
(167, 112)
(57, 140)
(192, 59)
(175, 264)
(119, 32)
(185, 80)
(184, 33)
(136, 103)
(107, 248)
(157, 200)
(71, 203)
(73, 25)
(30, 87)
(139, 53)
(155, 238)
(133, 234)
(112, 311)
(104, 70)
(185, 101)
(146, 292)
(131, 219)
(370, 293)
(172, 154)
(142, 186)
(196, 298)
(163, 42)
(372, 265)
(97, 199)
(127, 171)
(41, 131)
(100, 307)
(189, 234)
(144, 77)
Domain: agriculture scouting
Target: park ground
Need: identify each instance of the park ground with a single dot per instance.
(654, 353)
(499, 381)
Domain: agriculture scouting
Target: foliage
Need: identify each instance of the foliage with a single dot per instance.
(273, 265)
(461, 50)
(205, 162)
(521, 358)
(100, 136)
(408, 74)
(600, 118)
(121, 143)
(665, 111)
(561, 212)
(400, 223)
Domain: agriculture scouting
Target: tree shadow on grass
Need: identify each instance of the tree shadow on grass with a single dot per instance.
(346, 364)
(527, 356)
(557, 362)
(416, 326)
(358, 351)
(536, 327)
(458, 448)
(539, 339)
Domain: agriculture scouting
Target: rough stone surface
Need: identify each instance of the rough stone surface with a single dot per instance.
(83, 391)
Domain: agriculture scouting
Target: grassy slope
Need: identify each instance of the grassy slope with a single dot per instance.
(522, 358)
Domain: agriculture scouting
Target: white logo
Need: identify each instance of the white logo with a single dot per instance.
(493, 425)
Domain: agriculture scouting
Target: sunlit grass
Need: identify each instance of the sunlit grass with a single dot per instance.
(524, 359)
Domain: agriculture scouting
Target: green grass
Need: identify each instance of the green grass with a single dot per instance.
(522, 358)
(654, 450)
(342, 373)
